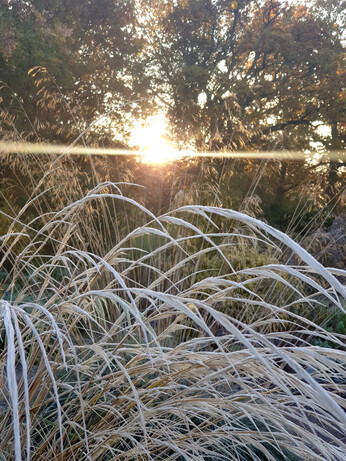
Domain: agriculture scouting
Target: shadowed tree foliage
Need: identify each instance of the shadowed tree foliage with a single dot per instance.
(242, 74)
(66, 64)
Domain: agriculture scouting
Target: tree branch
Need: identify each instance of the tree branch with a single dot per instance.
(281, 126)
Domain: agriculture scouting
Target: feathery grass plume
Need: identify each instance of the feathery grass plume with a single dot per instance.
(167, 345)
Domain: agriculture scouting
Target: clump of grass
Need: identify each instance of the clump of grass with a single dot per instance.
(162, 346)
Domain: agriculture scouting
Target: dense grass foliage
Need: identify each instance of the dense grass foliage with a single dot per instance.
(202, 333)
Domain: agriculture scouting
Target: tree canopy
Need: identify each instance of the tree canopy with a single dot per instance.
(241, 74)
(66, 63)
(228, 74)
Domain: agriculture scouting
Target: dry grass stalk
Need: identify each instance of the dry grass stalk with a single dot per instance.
(161, 347)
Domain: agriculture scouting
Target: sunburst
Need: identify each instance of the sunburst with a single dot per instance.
(153, 146)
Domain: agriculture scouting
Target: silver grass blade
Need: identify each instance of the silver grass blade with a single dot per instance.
(5, 313)
(26, 383)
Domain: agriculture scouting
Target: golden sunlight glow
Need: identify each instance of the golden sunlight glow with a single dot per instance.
(152, 143)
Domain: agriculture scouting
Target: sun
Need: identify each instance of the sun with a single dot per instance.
(151, 141)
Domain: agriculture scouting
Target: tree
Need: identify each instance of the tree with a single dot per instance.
(66, 64)
(236, 73)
